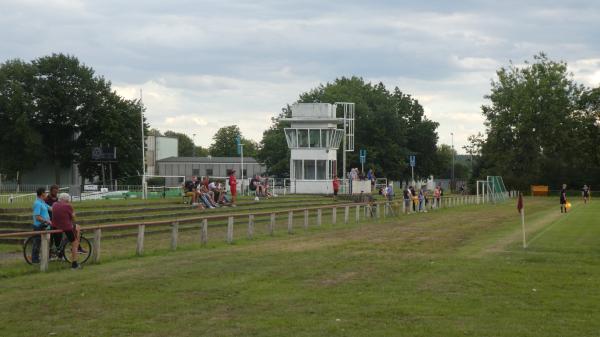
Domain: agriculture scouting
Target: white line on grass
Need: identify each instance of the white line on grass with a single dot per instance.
(548, 228)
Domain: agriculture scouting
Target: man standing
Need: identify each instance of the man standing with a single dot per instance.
(63, 219)
(585, 193)
(50, 200)
(41, 219)
(563, 199)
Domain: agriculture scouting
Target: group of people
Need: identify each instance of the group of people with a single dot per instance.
(585, 194)
(356, 174)
(54, 211)
(208, 194)
(419, 200)
(260, 186)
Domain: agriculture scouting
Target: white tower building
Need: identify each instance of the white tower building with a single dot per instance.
(314, 138)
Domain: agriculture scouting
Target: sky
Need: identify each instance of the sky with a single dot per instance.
(202, 65)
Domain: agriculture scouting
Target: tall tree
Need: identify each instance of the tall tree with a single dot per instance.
(274, 153)
(536, 125)
(20, 143)
(225, 143)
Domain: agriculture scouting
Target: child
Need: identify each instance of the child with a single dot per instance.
(232, 187)
(336, 187)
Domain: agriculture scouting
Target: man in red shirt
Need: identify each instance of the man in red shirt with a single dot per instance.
(62, 218)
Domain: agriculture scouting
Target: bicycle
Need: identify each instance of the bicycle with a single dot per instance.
(63, 251)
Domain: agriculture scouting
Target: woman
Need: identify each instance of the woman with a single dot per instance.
(336, 187)
(232, 186)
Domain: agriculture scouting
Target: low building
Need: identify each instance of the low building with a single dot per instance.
(208, 166)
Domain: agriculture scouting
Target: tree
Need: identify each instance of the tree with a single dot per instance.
(390, 126)
(56, 110)
(225, 143)
(540, 126)
(185, 145)
(19, 142)
(274, 153)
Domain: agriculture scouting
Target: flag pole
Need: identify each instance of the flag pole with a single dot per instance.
(523, 226)
(521, 208)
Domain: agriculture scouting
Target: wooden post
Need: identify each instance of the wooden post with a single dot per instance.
(403, 206)
(334, 215)
(250, 226)
(45, 251)
(357, 213)
(319, 216)
(305, 219)
(174, 235)
(346, 214)
(96, 248)
(272, 224)
(378, 211)
(204, 232)
(230, 229)
(290, 222)
(139, 250)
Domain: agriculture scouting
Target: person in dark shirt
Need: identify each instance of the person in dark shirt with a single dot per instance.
(563, 199)
(189, 188)
(64, 216)
(52, 198)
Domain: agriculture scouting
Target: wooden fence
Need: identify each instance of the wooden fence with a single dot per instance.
(371, 210)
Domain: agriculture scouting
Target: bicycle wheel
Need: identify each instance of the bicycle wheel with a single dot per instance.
(84, 253)
(28, 246)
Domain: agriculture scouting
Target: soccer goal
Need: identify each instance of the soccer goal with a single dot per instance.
(491, 190)
(162, 186)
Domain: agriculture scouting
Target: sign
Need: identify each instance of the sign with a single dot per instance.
(104, 153)
(413, 160)
(363, 155)
(90, 187)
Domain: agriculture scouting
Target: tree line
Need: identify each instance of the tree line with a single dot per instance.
(542, 127)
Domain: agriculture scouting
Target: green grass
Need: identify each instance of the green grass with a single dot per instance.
(455, 272)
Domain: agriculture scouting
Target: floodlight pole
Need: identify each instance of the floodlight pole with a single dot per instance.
(452, 180)
(143, 149)
(242, 164)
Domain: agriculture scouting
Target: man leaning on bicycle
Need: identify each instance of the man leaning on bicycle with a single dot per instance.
(62, 218)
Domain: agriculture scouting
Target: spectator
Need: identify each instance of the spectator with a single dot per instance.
(585, 193)
(415, 198)
(232, 186)
(256, 186)
(437, 194)
(64, 217)
(406, 195)
(563, 199)
(189, 188)
(390, 192)
(265, 184)
(371, 177)
(336, 187)
(422, 201)
(353, 177)
(50, 200)
(41, 219)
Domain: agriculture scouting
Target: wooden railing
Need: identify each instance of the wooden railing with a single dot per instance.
(381, 208)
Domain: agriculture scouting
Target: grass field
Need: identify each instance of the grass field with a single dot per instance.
(454, 272)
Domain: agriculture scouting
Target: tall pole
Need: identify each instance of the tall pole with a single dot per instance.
(143, 149)
(193, 144)
(452, 180)
(242, 172)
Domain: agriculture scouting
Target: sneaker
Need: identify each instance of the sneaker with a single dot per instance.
(81, 250)
(75, 265)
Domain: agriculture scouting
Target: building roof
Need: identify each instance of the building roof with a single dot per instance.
(208, 160)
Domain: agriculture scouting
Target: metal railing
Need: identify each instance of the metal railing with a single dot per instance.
(373, 209)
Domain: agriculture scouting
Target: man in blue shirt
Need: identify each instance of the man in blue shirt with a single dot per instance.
(41, 219)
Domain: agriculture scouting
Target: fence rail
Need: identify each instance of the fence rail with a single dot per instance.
(374, 209)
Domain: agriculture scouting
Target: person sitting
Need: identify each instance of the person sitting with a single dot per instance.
(256, 186)
(189, 190)
(265, 187)
(64, 216)
(209, 195)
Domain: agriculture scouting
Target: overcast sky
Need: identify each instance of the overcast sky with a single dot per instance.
(203, 65)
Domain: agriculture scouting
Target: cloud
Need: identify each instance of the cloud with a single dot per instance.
(203, 65)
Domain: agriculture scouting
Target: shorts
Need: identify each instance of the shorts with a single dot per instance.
(70, 235)
(190, 194)
(233, 190)
(335, 192)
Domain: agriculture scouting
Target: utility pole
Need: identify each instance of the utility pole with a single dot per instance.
(452, 180)
(193, 144)
(143, 150)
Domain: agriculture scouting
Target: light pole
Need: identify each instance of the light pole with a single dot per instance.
(452, 180)
(143, 149)
(193, 144)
